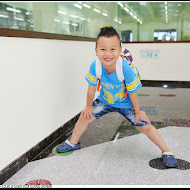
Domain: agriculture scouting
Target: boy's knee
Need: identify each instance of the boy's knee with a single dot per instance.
(144, 129)
(84, 120)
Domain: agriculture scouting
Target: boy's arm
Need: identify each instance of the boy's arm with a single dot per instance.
(139, 115)
(89, 109)
(90, 95)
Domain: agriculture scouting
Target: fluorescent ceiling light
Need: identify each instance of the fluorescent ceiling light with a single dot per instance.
(131, 13)
(4, 16)
(126, 9)
(86, 5)
(82, 18)
(120, 4)
(105, 14)
(179, 5)
(165, 3)
(61, 12)
(74, 16)
(56, 20)
(12, 9)
(115, 20)
(97, 10)
(74, 24)
(78, 6)
(21, 19)
(119, 22)
(135, 16)
(166, 8)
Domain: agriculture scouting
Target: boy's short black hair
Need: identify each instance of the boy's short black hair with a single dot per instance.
(107, 32)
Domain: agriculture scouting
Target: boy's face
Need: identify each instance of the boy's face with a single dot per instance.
(108, 50)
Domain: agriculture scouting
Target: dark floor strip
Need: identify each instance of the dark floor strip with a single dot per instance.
(42, 149)
(170, 84)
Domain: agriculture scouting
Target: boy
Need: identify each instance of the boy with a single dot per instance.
(112, 96)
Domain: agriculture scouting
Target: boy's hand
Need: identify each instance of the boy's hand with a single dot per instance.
(87, 112)
(141, 115)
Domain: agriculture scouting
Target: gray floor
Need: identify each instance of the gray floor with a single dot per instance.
(172, 107)
(109, 159)
(119, 162)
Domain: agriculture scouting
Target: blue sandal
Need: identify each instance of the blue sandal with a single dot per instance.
(67, 147)
(169, 160)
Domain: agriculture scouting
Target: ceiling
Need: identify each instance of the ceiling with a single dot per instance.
(155, 11)
(149, 12)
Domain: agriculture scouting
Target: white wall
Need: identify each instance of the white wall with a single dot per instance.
(43, 86)
(171, 64)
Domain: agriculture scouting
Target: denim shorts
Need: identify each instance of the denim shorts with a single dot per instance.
(101, 109)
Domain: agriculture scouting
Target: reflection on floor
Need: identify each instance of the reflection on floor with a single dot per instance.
(126, 129)
(114, 152)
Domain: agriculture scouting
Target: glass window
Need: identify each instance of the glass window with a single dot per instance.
(126, 36)
(134, 21)
(15, 17)
(165, 35)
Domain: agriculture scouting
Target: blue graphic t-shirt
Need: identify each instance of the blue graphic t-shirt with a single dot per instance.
(113, 91)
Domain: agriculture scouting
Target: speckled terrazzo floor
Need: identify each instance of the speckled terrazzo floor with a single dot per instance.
(122, 161)
(114, 153)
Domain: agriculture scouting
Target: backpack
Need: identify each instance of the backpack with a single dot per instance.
(125, 55)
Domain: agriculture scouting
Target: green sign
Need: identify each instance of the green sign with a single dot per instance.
(148, 53)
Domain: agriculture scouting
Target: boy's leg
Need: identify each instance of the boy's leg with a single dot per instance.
(100, 109)
(153, 134)
(150, 131)
(80, 128)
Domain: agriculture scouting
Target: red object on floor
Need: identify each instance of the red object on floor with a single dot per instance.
(39, 182)
(167, 95)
